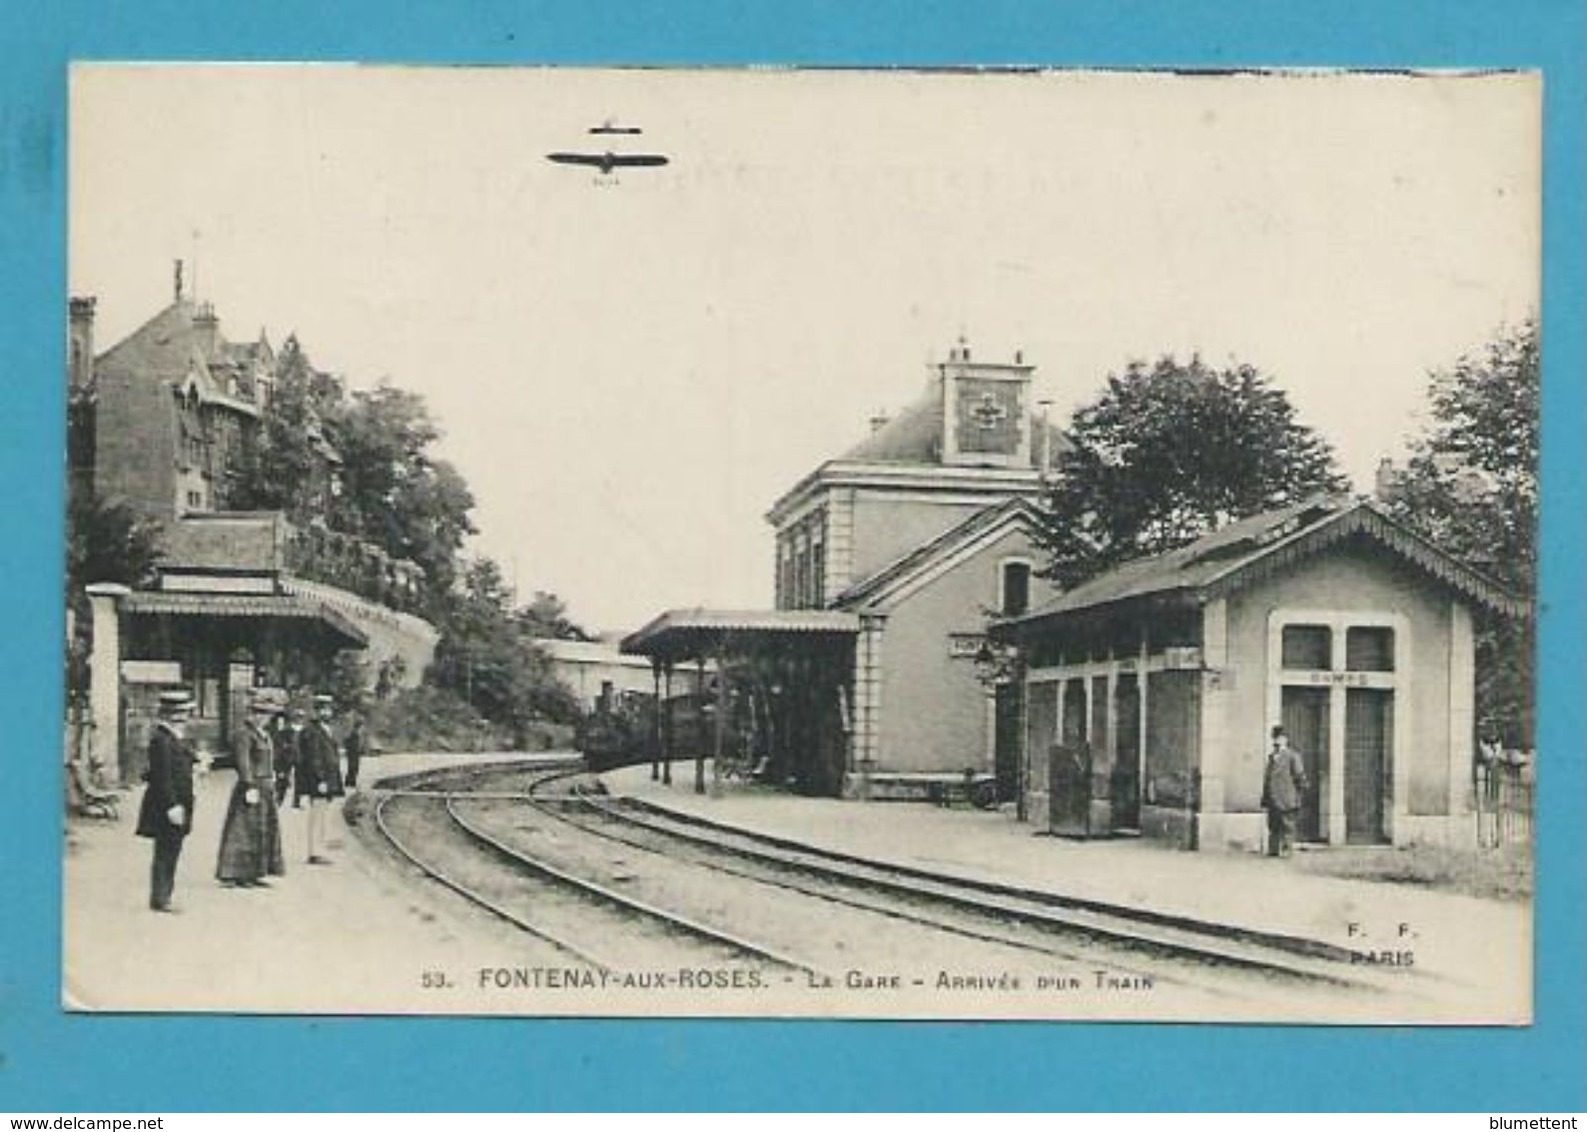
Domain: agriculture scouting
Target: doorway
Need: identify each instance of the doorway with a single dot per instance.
(1369, 737)
(1006, 751)
(1305, 712)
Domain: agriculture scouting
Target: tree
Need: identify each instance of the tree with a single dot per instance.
(394, 492)
(546, 617)
(347, 679)
(390, 675)
(488, 657)
(362, 463)
(1169, 452)
(1471, 486)
(286, 468)
(106, 541)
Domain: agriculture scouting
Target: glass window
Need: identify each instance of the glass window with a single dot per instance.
(1308, 646)
(1369, 649)
(1016, 588)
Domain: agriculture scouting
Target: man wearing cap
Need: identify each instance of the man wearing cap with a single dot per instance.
(250, 841)
(166, 813)
(286, 733)
(1283, 787)
(318, 776)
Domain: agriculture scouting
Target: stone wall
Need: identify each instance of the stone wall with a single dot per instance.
(390, 633)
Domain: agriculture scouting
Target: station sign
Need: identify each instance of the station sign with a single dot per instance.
(965, 646)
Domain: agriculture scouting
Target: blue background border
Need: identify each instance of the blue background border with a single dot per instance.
(53, 1062)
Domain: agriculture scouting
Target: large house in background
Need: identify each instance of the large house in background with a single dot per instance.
(161, 422)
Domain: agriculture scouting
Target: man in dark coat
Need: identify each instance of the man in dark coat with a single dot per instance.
(1283, 788)
(166, 813)
(318, 777)
(284, 739)
(354, 746)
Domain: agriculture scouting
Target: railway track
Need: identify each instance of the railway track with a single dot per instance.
(593, 924)
(1007, 918)
(1143, 930)
(1031, 921)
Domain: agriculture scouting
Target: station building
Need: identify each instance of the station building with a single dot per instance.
(891, 558)
(1151, 689)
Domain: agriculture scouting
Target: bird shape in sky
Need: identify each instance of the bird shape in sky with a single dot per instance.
(611, 127)
(609, 160)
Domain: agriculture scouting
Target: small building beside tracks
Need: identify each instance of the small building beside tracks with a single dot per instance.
(1150, 690)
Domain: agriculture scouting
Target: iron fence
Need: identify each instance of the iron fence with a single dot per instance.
(1504, 793)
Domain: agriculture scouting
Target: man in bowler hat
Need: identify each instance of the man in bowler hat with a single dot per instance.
(1283, 787)
(165, 815)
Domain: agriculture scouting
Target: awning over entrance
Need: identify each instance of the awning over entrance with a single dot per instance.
(284, 607)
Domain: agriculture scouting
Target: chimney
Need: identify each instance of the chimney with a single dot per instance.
(878, 420)
(206, 327)
(1387, 481)
(177, 282)
(80, 342)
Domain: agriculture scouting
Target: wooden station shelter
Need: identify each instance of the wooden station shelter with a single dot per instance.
(775, 695)
(1150, 690)
(218, 644)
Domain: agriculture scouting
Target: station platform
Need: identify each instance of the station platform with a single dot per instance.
(1482, 946)
(354, 937)
(358, 936)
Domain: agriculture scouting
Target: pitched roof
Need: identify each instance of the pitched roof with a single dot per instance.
(291, 607)
(899, 571)
(166, 345)
(692, 632)
(1254, 548)
(914, 436)
(587, 652)
(244, 352)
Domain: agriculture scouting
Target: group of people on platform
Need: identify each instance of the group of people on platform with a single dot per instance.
(279, 752)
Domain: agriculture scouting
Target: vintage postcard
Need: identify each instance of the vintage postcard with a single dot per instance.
(893, 544)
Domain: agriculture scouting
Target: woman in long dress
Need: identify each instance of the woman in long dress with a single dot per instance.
(250, 841)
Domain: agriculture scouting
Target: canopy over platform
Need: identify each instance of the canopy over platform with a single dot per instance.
(336, 629)
(688, 634)
(782, 692)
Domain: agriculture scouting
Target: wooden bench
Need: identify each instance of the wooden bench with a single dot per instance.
(85, 799)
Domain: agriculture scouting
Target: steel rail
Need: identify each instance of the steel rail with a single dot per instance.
(1177, 940)
(627, 903)
(1042, 911)
(881, 909)
(475, 897)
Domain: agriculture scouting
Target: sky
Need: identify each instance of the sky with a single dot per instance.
(630, 369)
